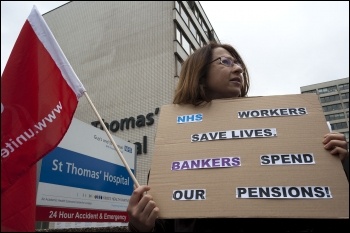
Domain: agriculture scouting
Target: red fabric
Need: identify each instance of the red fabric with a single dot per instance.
(37, 107)
(32, 91)
(18, 204)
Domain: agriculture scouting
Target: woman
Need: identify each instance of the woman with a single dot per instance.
(214, 71)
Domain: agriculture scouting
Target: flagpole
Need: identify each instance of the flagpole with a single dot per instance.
(136, 183)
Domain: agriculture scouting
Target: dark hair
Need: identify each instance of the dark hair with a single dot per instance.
(194, 72)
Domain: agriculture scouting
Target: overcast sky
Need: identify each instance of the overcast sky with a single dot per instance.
(285, 45)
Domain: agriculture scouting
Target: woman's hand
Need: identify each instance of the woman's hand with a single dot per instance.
(142, 210)
(336, 143)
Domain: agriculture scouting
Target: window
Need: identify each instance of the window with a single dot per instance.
(178, 35)
(191, 4)
(185, 44)
(195, 12)
(340, 125)
(345, 95)
(336, 116)
(191, 50)
(188, 21)
(200, 20)
(203, 42)
(346, 104)
(327, 89)
(332, 107)
(183, 15)
(329, 98)
(311, 91)
(193, 29)
(181, 38)
(178, 66)
(206, 29)
(177, 6)
(344, 86)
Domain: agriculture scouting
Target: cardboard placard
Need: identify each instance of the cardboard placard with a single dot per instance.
(255, 157)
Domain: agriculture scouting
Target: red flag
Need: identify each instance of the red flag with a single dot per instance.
(39, 96)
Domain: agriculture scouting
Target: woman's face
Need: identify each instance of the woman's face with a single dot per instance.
(223, 80)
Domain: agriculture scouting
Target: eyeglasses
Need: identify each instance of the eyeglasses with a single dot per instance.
(227, 61)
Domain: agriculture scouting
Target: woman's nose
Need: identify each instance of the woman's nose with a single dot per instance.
(237, 68)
